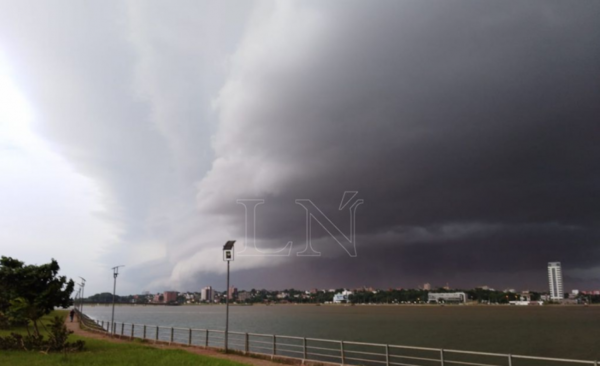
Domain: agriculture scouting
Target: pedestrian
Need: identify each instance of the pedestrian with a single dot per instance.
(72, 314)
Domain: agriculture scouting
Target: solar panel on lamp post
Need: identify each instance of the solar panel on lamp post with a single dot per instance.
(228, 257)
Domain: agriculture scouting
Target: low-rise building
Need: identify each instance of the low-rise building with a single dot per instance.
(170, 297)
(341, 297)
(244, 295)
(447, 297)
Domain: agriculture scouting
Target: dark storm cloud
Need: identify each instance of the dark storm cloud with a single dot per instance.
(439, 114)
(469, 128)
(507, 258)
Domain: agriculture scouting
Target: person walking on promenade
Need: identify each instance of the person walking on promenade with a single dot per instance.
(72, 314)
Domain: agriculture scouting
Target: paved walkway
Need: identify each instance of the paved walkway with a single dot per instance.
(74, 326)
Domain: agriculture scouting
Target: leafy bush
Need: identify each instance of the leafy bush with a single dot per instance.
(57, 340)
(4, 323)
(8, 320)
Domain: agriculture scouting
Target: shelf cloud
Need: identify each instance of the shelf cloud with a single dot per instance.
(468, 129)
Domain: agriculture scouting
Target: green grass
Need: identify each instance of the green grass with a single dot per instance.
(45, 320)
(99, 352)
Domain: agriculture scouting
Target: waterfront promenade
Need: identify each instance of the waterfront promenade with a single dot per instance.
(82, 331)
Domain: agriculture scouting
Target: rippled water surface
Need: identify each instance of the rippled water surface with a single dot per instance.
(551, 331)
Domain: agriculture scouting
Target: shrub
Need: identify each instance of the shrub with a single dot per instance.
(8, 320)
(57, 340)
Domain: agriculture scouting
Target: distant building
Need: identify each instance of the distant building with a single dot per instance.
(170, 297)
(341, 296)
(158, 298)
(244, 295)
(447, 297)
(526, 303)
(207, 294)
(232, 293)
(190, 298)
(427, 287)
(555, 281)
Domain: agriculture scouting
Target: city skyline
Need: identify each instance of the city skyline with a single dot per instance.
(556, 289)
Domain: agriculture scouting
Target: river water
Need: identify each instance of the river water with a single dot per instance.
(550, 331)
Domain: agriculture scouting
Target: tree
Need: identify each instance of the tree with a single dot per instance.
(7, 279)
(34, 291)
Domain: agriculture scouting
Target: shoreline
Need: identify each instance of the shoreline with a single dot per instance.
(355, 305)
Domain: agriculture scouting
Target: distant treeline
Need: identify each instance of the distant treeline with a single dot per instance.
(297, 296)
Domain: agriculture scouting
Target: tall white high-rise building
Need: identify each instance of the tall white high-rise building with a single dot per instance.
(555, 281)
(207, 294)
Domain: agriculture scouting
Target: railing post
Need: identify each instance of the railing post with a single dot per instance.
(122, 329)
(442, 356)
(387, 355)
(144, 331)
(190, 338)
(102, 324)
(206, 339)
(304, 348)
(247, 345)
(156, 337)
(342, 352)
(171, 336)
(113, 328)
(509, 360)
(274, 345)
(132, 327)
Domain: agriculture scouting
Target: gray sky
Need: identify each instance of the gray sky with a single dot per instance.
(128, 130)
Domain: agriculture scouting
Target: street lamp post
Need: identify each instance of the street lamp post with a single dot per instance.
(112, 319)
(82, 291)
(228, 257)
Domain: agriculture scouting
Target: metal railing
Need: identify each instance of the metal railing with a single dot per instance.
(323, 350)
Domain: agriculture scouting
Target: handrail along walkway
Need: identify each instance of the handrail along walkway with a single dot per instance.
(324, 351)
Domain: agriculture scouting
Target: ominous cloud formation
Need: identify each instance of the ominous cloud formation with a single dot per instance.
(469, 129)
